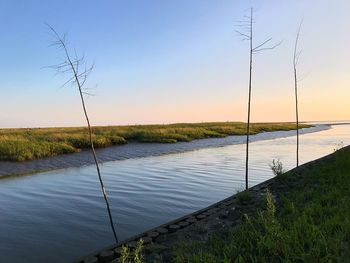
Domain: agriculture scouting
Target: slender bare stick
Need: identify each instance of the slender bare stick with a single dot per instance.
(296, 56)
(72, 65)
(249, 97)
(247, 34)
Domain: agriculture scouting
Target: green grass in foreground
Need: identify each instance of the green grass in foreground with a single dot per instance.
(29, 144)
(312, 224)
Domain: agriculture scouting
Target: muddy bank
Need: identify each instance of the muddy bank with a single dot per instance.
(135, 150)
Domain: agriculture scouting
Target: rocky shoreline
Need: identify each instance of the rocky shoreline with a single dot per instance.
(159, 242)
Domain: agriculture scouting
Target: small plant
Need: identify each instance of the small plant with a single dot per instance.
(338, 147)
(244, 196)
(126, 256)
(138, 257)
(270, 204)
(277, 167)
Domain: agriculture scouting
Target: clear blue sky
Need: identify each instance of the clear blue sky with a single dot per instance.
(172, 61)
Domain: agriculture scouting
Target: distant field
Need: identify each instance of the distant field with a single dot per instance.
(36, 143)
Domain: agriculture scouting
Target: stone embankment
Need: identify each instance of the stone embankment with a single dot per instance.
(159, 242)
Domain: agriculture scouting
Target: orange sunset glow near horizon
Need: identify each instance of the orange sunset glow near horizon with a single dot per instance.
(169, 62)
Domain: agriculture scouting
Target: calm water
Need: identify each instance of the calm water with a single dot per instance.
(60, 215)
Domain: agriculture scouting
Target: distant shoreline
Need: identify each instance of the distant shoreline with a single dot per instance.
(328, 123)
(32, 144)
(135, 150)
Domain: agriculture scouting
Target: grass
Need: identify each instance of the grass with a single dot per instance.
(312, 223)
(277, 167)
(135, 256)
(30, 144)
(244, 197)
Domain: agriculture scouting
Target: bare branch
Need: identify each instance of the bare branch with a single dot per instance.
(72, 65)
(303, 76)
(266, 48)
(242, 34)
(266, 41)
(87, 93)
(71, 80)
(246, 22)
(250, 18)
(297, 57)
(296, 52)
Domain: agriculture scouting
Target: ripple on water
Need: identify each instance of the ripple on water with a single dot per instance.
(60, 215)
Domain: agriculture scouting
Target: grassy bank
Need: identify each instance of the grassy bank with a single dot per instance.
(29, 144)
(311, 222)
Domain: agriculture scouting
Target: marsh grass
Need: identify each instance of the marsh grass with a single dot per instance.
(277, 167)
(312, 223)
(128, 256)
(244, 197)
(29, 144)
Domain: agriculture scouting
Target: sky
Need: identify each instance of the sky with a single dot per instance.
(162, 61)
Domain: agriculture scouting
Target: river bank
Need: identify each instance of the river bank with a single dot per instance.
(136, 150)
(298, 215)
(60, 215)
(25, 144)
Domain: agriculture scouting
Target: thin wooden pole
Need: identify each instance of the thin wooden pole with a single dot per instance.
(76, 77)
(295, 63)
(249, 98)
